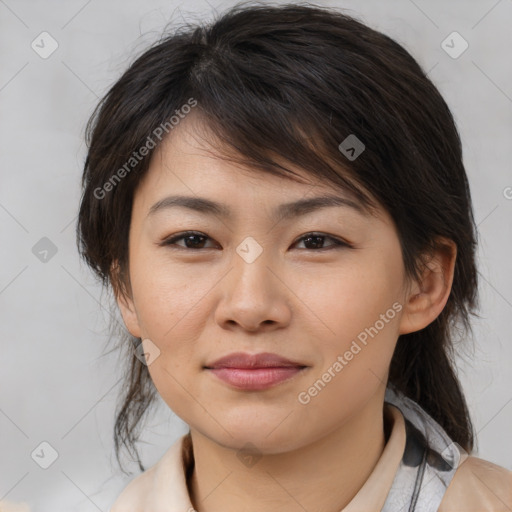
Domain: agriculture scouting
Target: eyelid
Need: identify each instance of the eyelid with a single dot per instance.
(184, 234)
(337, 242)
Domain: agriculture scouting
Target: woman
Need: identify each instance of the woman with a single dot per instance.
(279, 203)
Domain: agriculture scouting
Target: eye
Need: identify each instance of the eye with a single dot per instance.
(193, 240)
(196, 240)
(317, 239)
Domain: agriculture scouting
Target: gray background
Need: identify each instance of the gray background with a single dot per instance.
(55, 383)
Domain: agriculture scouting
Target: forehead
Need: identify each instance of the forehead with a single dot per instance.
(192, 162)
(194, 146)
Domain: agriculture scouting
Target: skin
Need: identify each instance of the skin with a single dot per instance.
(302, 302)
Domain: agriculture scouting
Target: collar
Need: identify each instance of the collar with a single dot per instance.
(428, 464)
(415, 468)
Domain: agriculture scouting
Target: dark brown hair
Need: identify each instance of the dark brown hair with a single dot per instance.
(289, 83)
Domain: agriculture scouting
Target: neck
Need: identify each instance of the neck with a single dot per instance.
(322, 476)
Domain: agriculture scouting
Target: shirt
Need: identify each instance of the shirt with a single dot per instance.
(419, 470)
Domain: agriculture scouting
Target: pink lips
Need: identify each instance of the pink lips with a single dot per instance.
(254, 372)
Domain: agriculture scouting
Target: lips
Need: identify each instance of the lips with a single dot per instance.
(250, 361)
(254, 371)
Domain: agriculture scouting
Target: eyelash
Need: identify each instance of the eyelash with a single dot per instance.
(338, 244)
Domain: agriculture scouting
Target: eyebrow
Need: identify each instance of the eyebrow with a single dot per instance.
(282, 212)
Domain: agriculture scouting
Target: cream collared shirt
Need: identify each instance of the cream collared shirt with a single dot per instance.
(474, 485)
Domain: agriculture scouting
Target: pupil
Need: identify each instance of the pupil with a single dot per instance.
(314, 237)
(191, 237)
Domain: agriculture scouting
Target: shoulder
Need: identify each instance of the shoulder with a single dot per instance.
(159, 486)
(133, 496)
(9, 506)
(479, 486)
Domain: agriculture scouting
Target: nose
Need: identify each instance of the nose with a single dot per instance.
(254, 296)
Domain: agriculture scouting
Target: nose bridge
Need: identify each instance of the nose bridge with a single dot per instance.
(251, 263)
(252, 295)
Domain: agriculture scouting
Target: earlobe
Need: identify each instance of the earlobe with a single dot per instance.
(125, 303)
(129, 315)
(428, 297)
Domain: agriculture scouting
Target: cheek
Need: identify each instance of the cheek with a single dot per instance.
(361, 308)
(171, 306)
(356, 359)
(167, 297)
(347, 300)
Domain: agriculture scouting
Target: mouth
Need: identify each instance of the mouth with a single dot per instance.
(254, 372)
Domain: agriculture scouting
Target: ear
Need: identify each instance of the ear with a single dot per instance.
(123, 295)
(427, 297)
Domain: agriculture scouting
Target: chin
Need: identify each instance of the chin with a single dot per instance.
(246, 441)
(266, 435)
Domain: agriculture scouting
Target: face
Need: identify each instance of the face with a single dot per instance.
(320, 289)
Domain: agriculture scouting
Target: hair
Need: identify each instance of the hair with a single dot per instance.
(287, 84)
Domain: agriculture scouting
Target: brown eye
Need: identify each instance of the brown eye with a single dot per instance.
(192, 240)
(315, 241)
